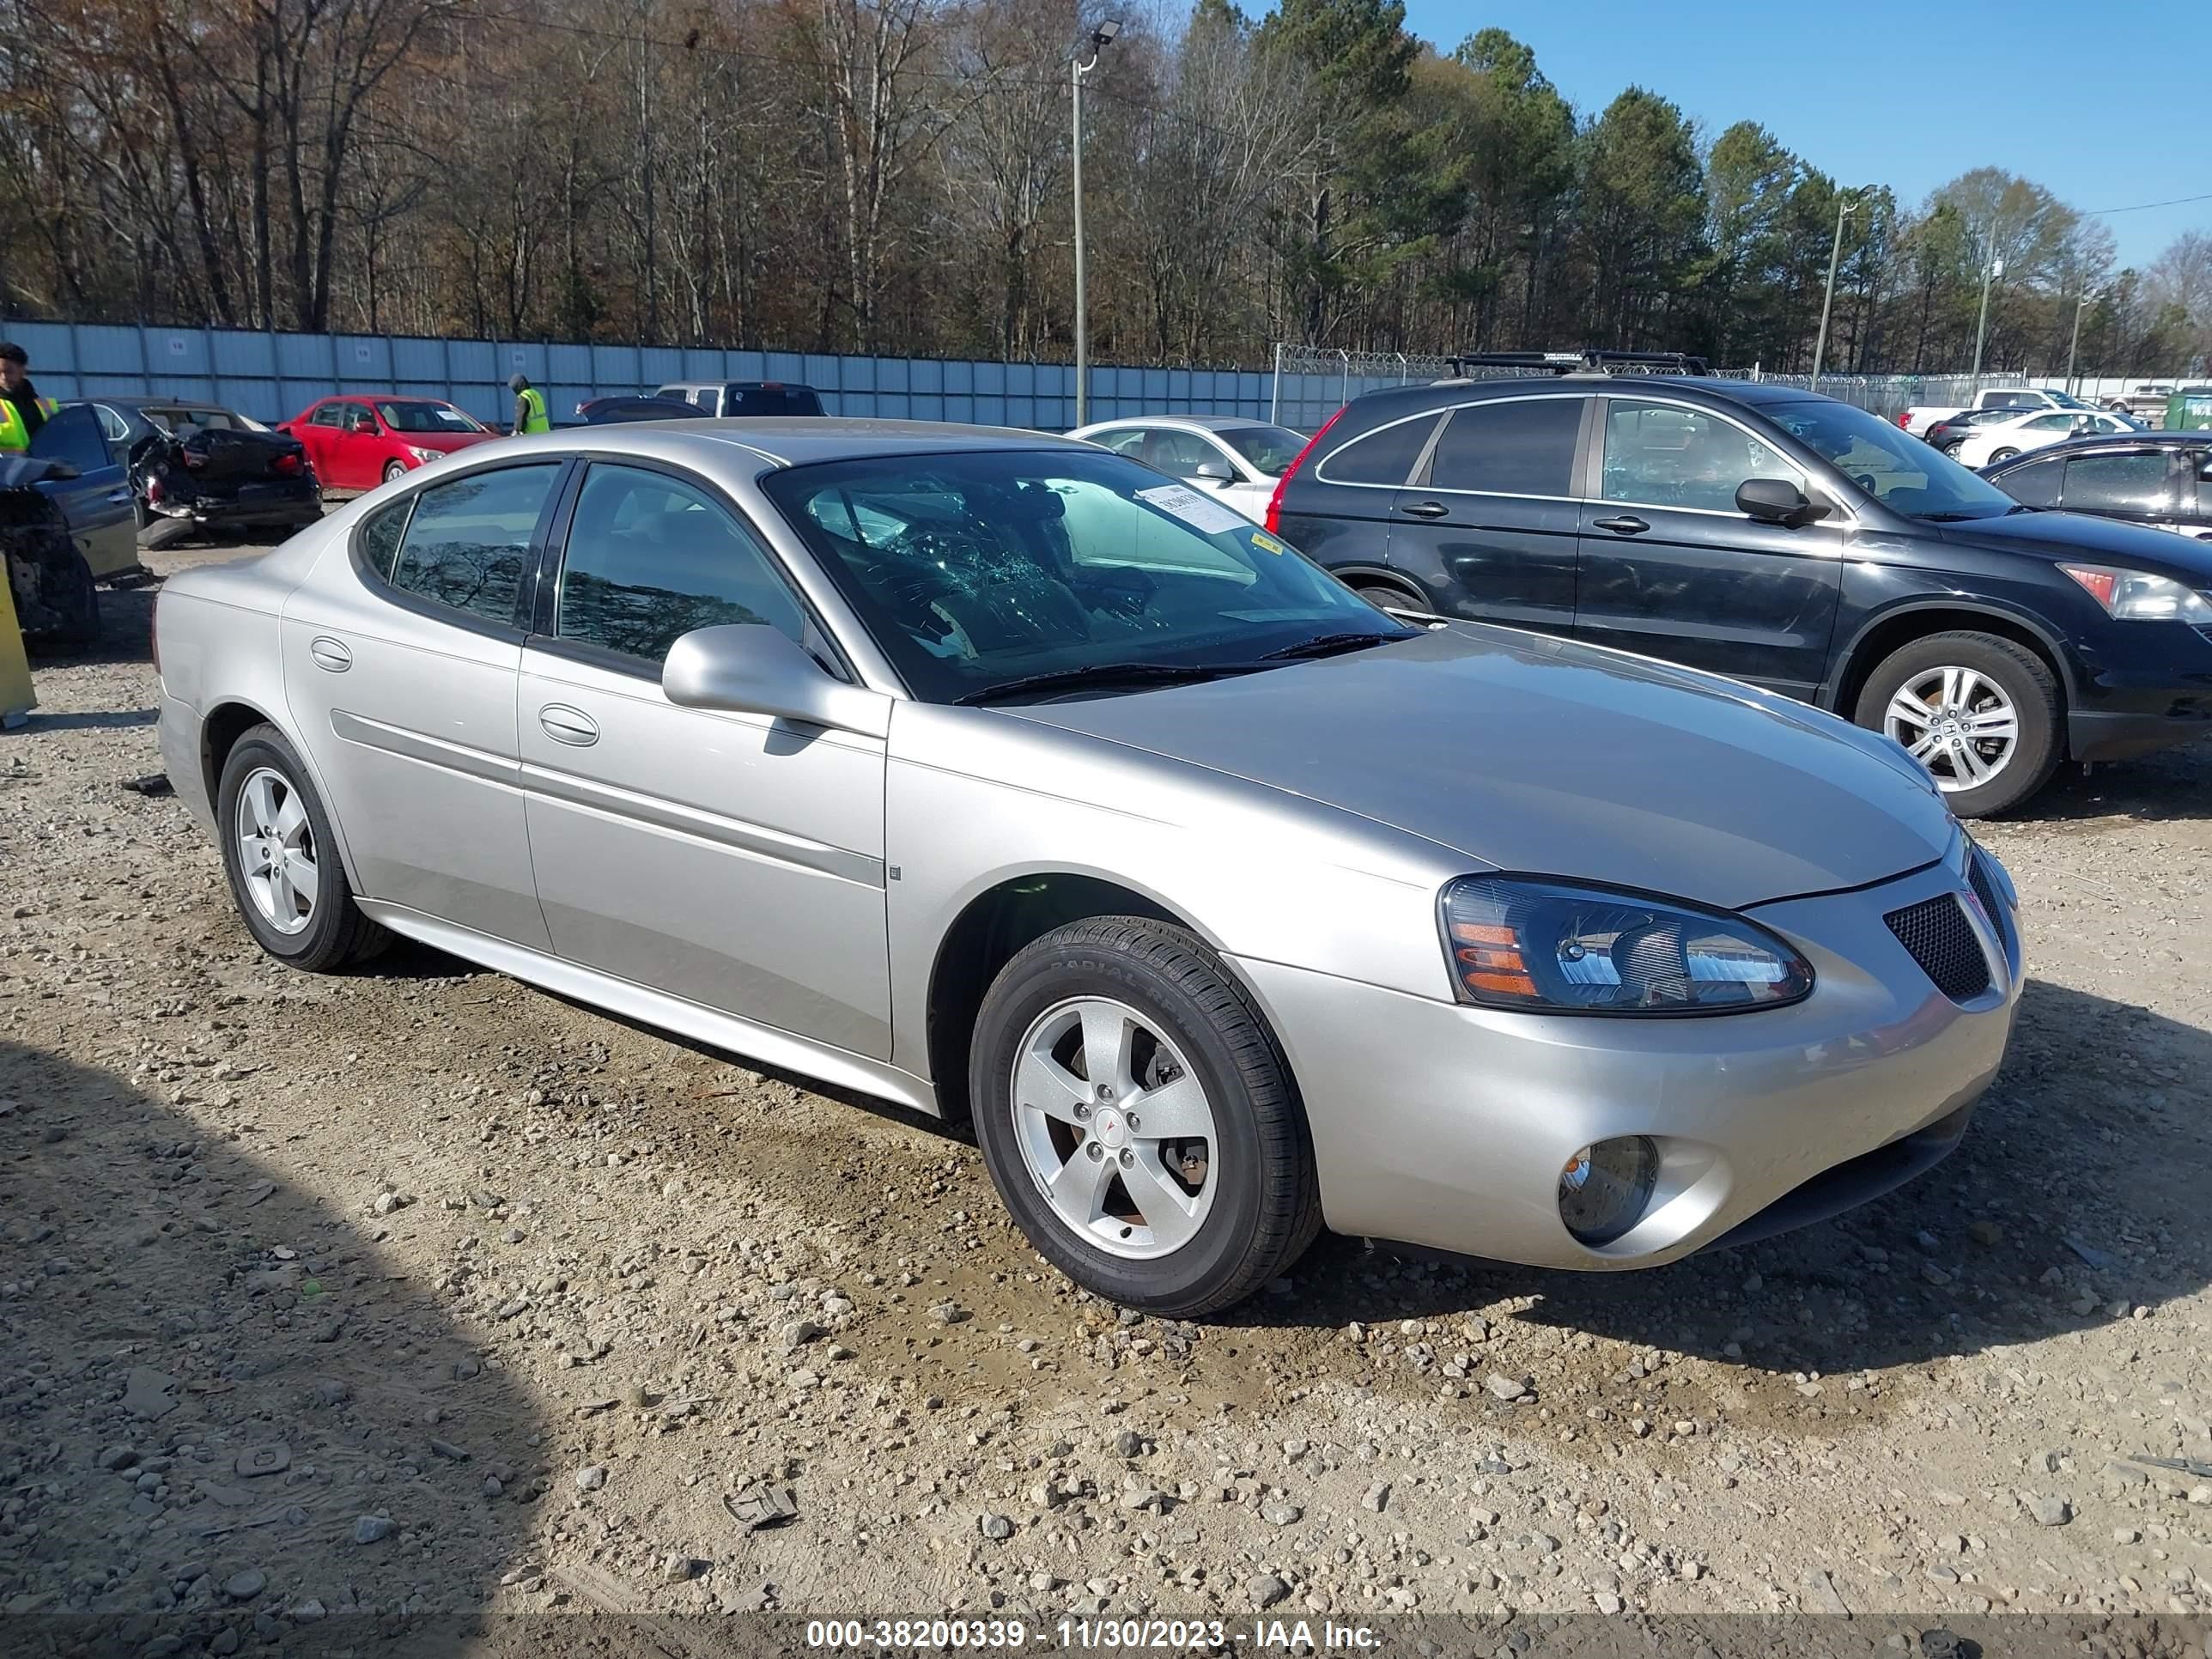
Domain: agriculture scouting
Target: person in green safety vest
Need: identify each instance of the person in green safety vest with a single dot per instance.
(530, 414)
(23, 411)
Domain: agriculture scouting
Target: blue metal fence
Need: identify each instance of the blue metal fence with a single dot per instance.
(272, 376)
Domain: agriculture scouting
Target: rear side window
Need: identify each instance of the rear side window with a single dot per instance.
(468, 542)
(328, 414)
(2140, 482)
(1384, 456)
(650, 557)
(2034, 484)
(380, 533)
(1516, 446)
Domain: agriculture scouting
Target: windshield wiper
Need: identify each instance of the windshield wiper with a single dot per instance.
(1105, 674)
(1328, 645)
(1954, 518)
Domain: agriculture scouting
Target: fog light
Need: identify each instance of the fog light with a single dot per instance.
(1604, 1188)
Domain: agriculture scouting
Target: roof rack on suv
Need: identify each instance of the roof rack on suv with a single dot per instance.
(1588, 360)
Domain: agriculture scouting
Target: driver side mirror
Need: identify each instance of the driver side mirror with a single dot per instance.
(750, 668)
(1214, 472)
(1776, 501)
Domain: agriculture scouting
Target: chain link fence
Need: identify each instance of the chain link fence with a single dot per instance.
(1311, 383)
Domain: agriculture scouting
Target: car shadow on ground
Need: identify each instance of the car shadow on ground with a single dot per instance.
(225, 1406)
(2093, 1136)
(2174, 783)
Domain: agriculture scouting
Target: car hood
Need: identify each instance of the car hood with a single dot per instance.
(444, 442)
(2081, 536)
(1546, 756)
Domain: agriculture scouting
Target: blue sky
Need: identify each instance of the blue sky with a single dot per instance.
(2103, 103)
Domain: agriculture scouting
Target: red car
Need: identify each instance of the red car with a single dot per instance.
(360, 441)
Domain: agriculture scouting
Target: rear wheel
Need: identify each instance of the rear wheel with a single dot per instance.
(2001, 455)
(1391, 596)
(1139, 1120)
(1981, 713)
(278, 850)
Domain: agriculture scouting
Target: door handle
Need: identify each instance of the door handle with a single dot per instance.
(120, 497)
(329, 654)
(1623, 526)
(1425, 510)
(570, 725)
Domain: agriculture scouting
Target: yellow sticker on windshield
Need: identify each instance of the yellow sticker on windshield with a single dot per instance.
(1266, 543)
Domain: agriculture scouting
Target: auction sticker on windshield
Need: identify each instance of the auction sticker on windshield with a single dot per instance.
(1207, 518)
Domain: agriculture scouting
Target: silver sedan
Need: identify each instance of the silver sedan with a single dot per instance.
(1001, 776)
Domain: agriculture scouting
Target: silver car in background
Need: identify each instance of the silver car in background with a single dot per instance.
(999, 777)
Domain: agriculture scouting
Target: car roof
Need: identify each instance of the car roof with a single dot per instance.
(1436, 393)
(776, 441)
(159, 403)
(1192, 422)
(2197, 439)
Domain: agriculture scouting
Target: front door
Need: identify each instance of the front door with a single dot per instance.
(401, 681)
(95, 502)
(1670, 568)
(731, 859)
(1488, 528)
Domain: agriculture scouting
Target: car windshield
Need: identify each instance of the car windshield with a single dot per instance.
(427, 417)
(1895, 468)
(973, 570)
(1270, 449)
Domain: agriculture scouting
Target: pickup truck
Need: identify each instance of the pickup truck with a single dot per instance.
(1917, 419)
(2145, 403)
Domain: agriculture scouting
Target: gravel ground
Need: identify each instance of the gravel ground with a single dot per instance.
(418, 1289)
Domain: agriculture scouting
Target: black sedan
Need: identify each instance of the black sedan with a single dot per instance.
(197, 467)
(2158, 479)
(598, 411)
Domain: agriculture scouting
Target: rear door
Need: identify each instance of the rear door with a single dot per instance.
(95, 502)
(1670, 568)
(1488, 525)
(1336, 509)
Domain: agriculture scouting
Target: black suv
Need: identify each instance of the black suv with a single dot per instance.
(1776, 537)
(2163, 479)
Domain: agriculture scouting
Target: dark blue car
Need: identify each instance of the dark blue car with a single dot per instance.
(1776, 537)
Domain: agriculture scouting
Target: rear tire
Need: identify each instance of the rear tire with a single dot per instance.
(1992, 676)
(1183, 1023)
(2001, 455)
(1387, 595)
(308, 920)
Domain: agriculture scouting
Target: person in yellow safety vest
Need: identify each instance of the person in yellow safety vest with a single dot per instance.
(23, 411)
(529, 406)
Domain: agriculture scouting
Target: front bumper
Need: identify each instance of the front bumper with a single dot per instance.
(1446, 1126)
(2143, 686)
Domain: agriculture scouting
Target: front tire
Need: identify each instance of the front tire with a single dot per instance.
(394, 471)
(282, 858)
(1082, 1035)
(1980, 712)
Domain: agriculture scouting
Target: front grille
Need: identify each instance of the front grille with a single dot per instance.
(1941, 940)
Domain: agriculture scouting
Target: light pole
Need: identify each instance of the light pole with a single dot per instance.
(2080, 306)
(1101, 37)
(1844, 205)
(1995, 269)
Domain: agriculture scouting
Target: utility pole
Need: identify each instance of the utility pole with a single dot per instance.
(1844, 205)
(2080, 306)
(1101, 37)
(1994, 269)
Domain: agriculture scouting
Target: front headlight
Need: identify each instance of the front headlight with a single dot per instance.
(426, 456)
(1560, 947)
(2137, 596)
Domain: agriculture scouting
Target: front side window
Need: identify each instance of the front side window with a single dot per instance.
(709, 398)
(1893, 466)
(977, 570)
(428, 417)
(1384, 456)
(468, 542)
(1665, 455)
(2140, 482)
(650, 557)
(1515, 446)
(2035, 484)
(1178, 455)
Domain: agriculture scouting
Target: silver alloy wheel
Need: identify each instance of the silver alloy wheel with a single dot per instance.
(1115, 1128)
(276, 850)
(1958, 723)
